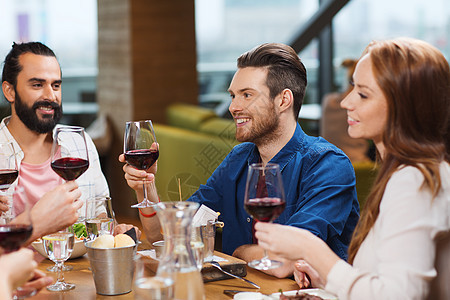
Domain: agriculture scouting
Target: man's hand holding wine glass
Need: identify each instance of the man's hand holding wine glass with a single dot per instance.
(140, 151)
(135, 179)
(65, 205)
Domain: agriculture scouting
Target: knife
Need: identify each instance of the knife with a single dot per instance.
(217, 265)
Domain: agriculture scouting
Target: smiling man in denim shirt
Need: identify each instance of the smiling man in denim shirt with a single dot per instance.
(267, 92)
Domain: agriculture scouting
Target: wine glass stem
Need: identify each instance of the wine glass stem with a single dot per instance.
(59, 266)
(145, 192)
(265, 258)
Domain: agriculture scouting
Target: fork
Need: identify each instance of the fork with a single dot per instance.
(217, 265)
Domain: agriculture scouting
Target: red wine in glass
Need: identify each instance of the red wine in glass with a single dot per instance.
(70, 168)
(12, 236)
(69, 165)
(265, 209)
(142, 159)
(264, 201)
(140, 150)
(7, 177)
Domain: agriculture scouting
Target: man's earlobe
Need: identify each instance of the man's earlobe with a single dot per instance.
(287, 99)
(8, 91)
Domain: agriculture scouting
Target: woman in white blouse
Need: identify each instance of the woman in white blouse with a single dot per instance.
(401, 246)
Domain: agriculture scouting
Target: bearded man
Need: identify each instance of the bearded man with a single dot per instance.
(267, 92)
(31, 83)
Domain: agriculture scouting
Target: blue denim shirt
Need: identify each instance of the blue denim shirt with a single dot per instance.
(319, 183)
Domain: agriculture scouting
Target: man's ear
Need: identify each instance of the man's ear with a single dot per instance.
(286, 100)
(8, 91)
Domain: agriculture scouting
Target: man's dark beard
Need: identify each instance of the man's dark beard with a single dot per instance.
(29, 117)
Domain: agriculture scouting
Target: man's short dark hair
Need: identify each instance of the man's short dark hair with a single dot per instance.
(12, 66)
(285, 70)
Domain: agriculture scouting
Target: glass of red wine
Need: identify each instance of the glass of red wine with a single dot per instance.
(264, 201)
(15, 231)
(141, 150)
(69, 164)
(8, 173)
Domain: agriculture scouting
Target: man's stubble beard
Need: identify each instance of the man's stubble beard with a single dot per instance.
(263, 131)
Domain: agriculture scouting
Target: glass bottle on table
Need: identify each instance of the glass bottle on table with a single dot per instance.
(264, 200)
(141, 150)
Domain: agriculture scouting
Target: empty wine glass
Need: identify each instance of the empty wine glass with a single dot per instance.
(141, 150)
(264, 201)
(58, 247)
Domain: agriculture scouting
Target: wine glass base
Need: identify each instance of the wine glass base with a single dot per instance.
(265, 264)
(143, 204)
(61, 286)
(63, 268)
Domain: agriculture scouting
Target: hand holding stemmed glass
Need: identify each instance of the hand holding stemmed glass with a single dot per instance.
(8, 174)
(264, 201)
(15, 231)
(141, 150)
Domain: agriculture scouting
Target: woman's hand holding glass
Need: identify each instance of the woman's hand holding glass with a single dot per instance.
(299, 245)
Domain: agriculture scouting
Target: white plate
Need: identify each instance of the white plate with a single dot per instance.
(78, 248)
(315, 292)
(251, 296)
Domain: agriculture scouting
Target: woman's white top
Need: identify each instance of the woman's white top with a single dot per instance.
(406, 255)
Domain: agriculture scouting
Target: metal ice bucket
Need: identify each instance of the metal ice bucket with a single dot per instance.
(112, 268)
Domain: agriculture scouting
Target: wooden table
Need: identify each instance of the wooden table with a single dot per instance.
(85, 288)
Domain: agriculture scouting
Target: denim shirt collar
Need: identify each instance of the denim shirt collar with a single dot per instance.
(286, 153)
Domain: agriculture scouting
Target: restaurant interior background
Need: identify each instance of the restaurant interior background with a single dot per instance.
(131, 59)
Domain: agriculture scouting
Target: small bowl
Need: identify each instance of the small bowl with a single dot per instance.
(78, 248)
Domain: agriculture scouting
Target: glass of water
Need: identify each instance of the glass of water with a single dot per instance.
(198, 246)
(149, 286)
(99, 217)
(58, 247)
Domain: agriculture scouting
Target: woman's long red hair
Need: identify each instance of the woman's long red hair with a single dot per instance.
(415, 79)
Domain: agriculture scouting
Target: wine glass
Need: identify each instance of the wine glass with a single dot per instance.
(8, 174)
(69, 165)
(15, 230)
(99, 217)
(264, 201)
(14, 234)
(141, 150)
(58, 247)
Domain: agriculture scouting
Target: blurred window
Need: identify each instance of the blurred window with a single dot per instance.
(227, 28)
(68, 27)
